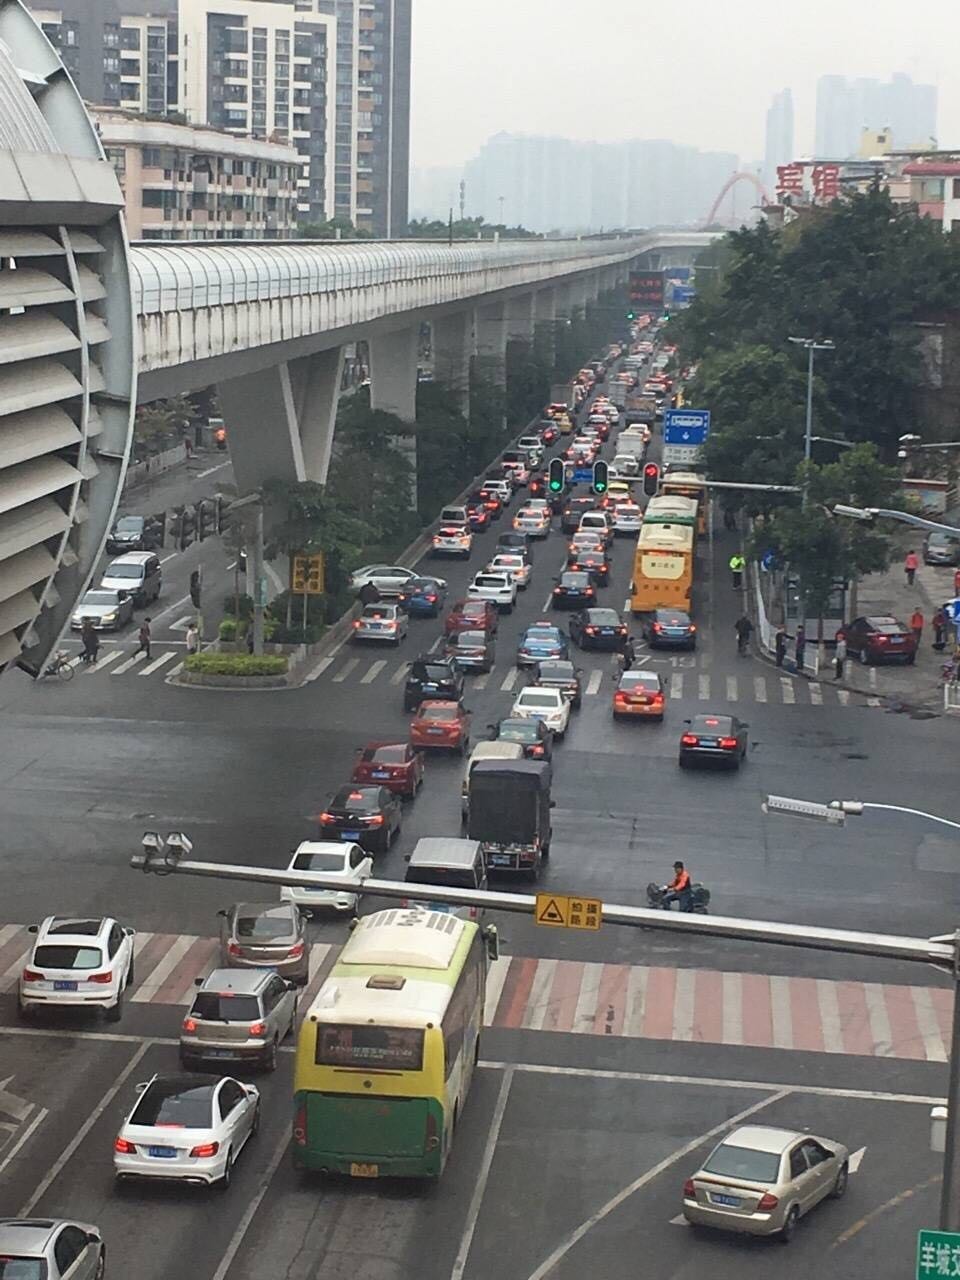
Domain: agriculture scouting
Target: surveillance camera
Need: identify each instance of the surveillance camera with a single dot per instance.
(177, 840)
(151, 840)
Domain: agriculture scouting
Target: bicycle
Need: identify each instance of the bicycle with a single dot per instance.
(60, 666)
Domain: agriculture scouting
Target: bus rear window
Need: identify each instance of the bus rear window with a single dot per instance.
(387, 1048)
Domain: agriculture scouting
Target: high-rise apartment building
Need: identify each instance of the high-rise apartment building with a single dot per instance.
(778, 138)
(845, 108)
(332, 77)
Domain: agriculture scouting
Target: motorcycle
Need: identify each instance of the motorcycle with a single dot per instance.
(699, 898)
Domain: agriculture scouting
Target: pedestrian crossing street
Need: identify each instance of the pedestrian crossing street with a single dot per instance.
(786, 690)
(651, 1002)
(121, 662)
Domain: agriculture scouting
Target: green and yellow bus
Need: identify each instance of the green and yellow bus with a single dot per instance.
(688, 484)
(671, 509)
(387, 1051)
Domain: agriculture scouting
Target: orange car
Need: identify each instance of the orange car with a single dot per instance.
(639, 693)
(443, 724)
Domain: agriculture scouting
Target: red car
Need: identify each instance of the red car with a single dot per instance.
(549, 434)
(492, 501)
(881, 639)
(478, 517)
(441, 724)
(394, 765)
(472, 615)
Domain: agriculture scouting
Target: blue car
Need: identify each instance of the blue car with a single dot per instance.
(540, 642)
(422, 597)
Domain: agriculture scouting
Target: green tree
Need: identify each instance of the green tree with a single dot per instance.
(329, 230)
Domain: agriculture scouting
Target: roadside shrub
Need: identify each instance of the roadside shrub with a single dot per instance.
(227, 629)
(236, 664)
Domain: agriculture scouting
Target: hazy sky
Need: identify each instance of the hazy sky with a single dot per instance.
(694, 71)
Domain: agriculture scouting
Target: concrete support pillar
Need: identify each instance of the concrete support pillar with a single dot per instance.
(280, 421)
(545, 308)
(393, 372)
(393, 385)
(453, 346)
(545, 305)
(491, 330)
(520, 318)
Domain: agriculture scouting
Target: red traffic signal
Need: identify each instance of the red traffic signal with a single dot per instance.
(651, 479)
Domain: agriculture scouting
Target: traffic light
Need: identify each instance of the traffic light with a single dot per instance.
(196, 581)
(206, 517)
(651, 479)
(223, 519)
(188, 527)
(631, 315)
(600, 476)
(557, 477)
(176, 525)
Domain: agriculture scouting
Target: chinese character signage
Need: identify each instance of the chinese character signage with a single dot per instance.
(646, 288)
(938, 1254)
(790, 179)
(826, 181)
(307, 574)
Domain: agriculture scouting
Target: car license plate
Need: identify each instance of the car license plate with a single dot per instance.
(380, 773)
(606, 631)
(364, 1170)
(428, 686)
(707, 742)
(64, 986)
(732, 1202)
(435, 731)
(896, 640)
(218, 1053)
(499, 860)
(349, 835)
(162, 1153)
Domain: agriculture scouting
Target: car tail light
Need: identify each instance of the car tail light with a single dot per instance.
(557, 590)
(689, 740)
(880, 639)
(621, 699)
(692, 627)
(300, 1126)
(658, 699)
(728, 744)
(124, 1147)
(431, 1138)
(102, 978)
(328, 817)
(234, 949)
(689, 1190)
(356, 622)
(257, 1029)
(375, 820)
(657, 626)
(190, 1025)
(31, 975)
(767, 1203)
(295, 951)
(404, 903)
(591, 631)
(621, 631)
(536, 750)
(589, 591)
(431, 599)
(205, 1150)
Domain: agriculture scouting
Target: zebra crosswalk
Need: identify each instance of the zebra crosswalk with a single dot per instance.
(652, 1002)
(119, 661)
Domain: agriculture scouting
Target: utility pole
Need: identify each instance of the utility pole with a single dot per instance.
(463, 199)
(250, 510)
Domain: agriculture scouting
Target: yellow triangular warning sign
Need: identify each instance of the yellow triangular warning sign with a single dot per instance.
(549, 911)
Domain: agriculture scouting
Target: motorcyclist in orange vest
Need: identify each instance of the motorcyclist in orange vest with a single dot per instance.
(679, 889)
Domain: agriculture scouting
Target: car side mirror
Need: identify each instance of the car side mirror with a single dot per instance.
(553, 804)
(198, 982)
(33, 928)
(686, 722)
(406, 857)
(222, 913)
(744, 724)
(122, 595)
(290, 986)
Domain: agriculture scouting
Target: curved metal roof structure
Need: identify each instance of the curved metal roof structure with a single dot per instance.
(67, 357)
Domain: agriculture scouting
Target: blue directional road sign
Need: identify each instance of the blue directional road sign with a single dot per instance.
(686, 426)
(583, 475)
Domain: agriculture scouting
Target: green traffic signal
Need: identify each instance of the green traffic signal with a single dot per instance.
(557, 478)
(600, 476)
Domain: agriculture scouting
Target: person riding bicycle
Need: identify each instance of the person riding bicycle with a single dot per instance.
(91, 641)
(744, 629)
(679, 889)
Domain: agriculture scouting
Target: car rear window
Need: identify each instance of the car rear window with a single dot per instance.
(603, 617)
(390, 1048)
(519, 731)
(22, 1268)
(380, 611)
(386, 755)
(471, 640)
(438, 713)
(574, 579)
(887, 626)
(225, 1006)
(712, 724)
(65, 956)
(741, 1162)
(533, 699)
(432, 671)
(318, 861)
(124, 571)
(639, 680)
(175, 1104)
(556, 671)
(264, 926)
(357, 799)
(488, 580)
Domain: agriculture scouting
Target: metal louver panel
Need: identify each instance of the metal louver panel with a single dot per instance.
(31, 287)
(97, 330)
(24, 386)
(31, 524)
(17, 610)
(28, 244)
(32, 334)
(36, 431)
(25, 570)
(91, 286)
(81, 242)
(94, 422)
(9, 647)
(37, 479)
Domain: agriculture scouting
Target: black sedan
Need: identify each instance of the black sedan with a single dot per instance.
(598, 629)
(563, 676)
(571, 513)
(472, 650)
(432, 677)
(515, 543)
(532, 734)
(370, 816)
(574, 590)
(593, 562)
(711, 739)
(670, 629)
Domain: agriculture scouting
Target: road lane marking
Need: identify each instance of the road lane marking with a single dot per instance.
(202, 475)
(375, 669)
(676, 685)
(816, 694)
(683, 1005)
(509, 680)
(539, 997)
(139, 656)
(318, 670)
(587, 996)
(929, 1025)
(243, 1226)
(496, 977)
(780, 1014)
(760, 688)
(177, 604)
(347, 670)
(67, 1153)
(436, 645)
(400, 674)
(483, 1174)
(648, 1176)
(856, 1159)
(547, 603)
(105, 661)
(830, 1025)
(593, 684)
(149, 987)
(636, 1000)
(879, 1020)
(732, 1008)
(843, 695)
(786, 689)
(732, 692)
(169, 557)
(157, 663)
(481, 680)
(175, 671)
(703, 685)
(26, 1134)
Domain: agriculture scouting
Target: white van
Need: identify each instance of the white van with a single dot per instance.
(485, 751)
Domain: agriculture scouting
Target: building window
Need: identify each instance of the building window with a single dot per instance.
(71, 35)
(111, 62)
(130, 67)
(152, 158)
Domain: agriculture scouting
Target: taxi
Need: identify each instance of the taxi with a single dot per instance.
(441, 724)
(639, 694)
(533, 521)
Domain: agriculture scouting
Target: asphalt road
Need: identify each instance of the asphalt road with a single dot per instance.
(570, 1120)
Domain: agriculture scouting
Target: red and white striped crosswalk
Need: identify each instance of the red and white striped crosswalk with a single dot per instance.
(698, 1006)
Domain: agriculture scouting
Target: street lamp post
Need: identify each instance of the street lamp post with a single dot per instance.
(812, 346)
(835, 813)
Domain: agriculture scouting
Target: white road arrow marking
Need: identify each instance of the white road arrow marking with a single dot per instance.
(856, 1159)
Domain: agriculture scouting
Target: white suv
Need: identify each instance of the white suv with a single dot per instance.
(77, 963)
(499, 588)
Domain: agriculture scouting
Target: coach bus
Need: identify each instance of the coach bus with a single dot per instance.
(688, 484)
(662, 568)
(387, 1050)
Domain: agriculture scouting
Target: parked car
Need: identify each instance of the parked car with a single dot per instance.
(881, 639)
(940, 548)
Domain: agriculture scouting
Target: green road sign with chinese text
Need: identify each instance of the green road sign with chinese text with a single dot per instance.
(938, 1254)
